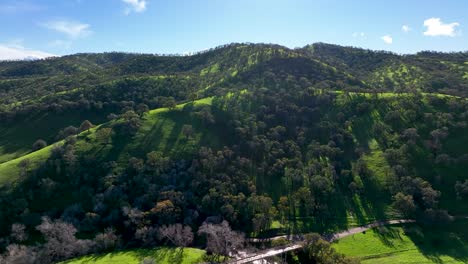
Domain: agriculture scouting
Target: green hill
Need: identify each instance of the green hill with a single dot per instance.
(270, 139)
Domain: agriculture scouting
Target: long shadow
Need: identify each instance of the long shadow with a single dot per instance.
(20, 135)
(179, 121)
(151, 138)
(437, 241)
(161, 255)
(387, 234)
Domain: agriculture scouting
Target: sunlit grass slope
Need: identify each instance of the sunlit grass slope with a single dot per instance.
(16, 139)
(161, 130)
(409, 244)
(159, 255)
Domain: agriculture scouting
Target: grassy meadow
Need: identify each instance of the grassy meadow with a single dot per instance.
(159, 255)
(409, 244)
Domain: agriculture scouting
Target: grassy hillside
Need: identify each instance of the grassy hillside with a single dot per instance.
(409, 244)
(18, 138)
(54, 93)
(269, 139)
(161, 130)
(159, 255)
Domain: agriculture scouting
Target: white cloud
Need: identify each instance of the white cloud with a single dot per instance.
(359, 35)
(405, 28)
(17, 52)
(435, 27)
(137, 6)
(387, 39)
(70, 28)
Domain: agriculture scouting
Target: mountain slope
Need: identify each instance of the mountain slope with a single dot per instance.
(267, 138)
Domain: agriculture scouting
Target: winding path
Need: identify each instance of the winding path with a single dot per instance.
(299, 243)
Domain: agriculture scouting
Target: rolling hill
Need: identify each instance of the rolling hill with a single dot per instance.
(268, 138)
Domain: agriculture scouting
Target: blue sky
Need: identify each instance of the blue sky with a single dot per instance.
(41, 27)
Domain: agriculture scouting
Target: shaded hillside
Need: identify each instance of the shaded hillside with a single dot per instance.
(268, 139)
(386, 71)
(92, 86)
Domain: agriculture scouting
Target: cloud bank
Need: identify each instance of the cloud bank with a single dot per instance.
(435, 27)
(17, 52)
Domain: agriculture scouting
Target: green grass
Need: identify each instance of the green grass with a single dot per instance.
(409, 244)
(161, 130)
(9, 171)
(16, 139)
(160, 255)
(376, 161)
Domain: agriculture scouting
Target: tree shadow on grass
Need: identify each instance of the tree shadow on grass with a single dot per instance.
(161, 255)
(388, 234)
(437, 241)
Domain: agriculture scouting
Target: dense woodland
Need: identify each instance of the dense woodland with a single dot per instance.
(291, 140)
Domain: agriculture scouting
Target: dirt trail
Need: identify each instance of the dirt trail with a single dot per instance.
(299, 244)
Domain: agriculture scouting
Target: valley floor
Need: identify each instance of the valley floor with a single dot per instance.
(409, 244)
(159, 255)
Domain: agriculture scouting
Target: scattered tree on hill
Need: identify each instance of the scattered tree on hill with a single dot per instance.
(66, 132)
(220, 239)
(39, 144)
(462, 189)
(24, 165)
(410, 135)
(19, 254)
(18, 233)
(187, 131)
(112, 116)
(157, 162)
(283, 208)
(61, 242)
(404, 204)
(317, 250)
(166, 212)
(131, 122)
(177, 234)
(86, 126)
(108, 240)
(170, 103)
(104, 134)
(141, 109)
(147, 236)
(437, 217)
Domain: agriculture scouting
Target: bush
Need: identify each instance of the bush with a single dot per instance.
(39, 144)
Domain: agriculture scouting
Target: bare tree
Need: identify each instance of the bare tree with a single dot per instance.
(134, 215)
(147, 236)
(61, 242)
(86, 126)
(19, 254)
(107, 240)
(220, 239)
(177, 234)
(18, 232)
